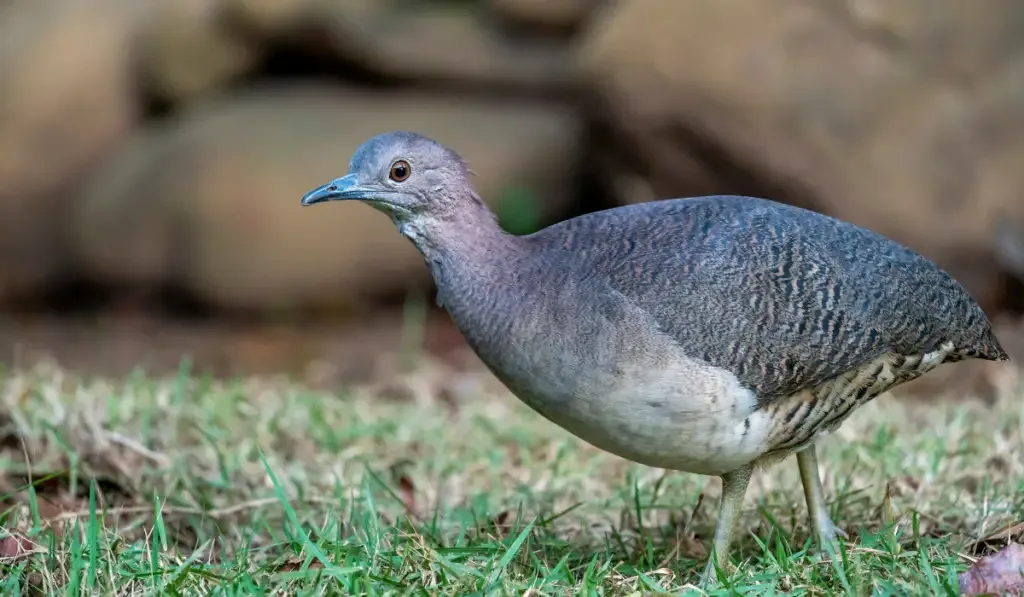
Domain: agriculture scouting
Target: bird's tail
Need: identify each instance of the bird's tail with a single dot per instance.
(990, 349)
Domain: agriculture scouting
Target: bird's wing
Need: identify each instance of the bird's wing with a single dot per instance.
(786, 299)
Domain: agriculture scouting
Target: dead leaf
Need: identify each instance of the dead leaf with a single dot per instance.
(1010, 530)
(15, 547)
(407, 491)
(294, 564)
(501, 523)
(691, 547)
(52, 506)
(1005, 534)
(1001, 573)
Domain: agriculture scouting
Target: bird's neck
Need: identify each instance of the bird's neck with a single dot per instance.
(473, 261)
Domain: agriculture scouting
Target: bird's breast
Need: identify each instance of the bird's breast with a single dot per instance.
(641, 398)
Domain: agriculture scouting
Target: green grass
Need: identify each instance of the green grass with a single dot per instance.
(440, 483)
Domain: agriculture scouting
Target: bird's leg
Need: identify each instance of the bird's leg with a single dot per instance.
(734, 488)
(824, 528)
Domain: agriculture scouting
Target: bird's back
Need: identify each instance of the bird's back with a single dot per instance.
(784, 298)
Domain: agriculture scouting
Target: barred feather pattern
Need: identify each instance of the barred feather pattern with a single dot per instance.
(801, 419)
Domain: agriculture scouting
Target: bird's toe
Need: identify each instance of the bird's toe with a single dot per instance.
(829, 536)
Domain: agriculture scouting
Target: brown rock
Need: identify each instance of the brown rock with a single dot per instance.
(267, 17)
(866, 110)
(188, 48)
(427, 42)
(124, 220)
(1009, 243)
(212, 203)
(412, 42)
(281, 18)
(555, 16)
(67, 99)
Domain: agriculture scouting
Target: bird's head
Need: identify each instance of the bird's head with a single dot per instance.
(416, 181)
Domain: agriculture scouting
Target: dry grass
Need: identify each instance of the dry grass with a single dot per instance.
(190, 486)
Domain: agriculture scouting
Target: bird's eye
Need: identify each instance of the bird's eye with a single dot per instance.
(400, 171)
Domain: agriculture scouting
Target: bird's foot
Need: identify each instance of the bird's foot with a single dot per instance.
(829, 535)
(828, 530)
(709, 577)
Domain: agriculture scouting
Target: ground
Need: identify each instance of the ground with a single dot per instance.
(443, 484)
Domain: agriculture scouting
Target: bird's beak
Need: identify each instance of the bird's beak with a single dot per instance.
(338, 189)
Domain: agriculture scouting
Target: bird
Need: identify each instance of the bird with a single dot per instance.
(711, 335)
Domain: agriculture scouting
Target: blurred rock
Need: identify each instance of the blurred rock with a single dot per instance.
(421, 42)
(903, 117)
(67, 99)
(1009, 241)
(211, 202)
(546, 16)
(276, 19)
(440, 43)
(267, 17)
(188, 49)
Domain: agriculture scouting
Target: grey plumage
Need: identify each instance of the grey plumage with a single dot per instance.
(783, 297)
(708, 335)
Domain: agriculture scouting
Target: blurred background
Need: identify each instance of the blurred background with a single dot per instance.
(153, 153)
